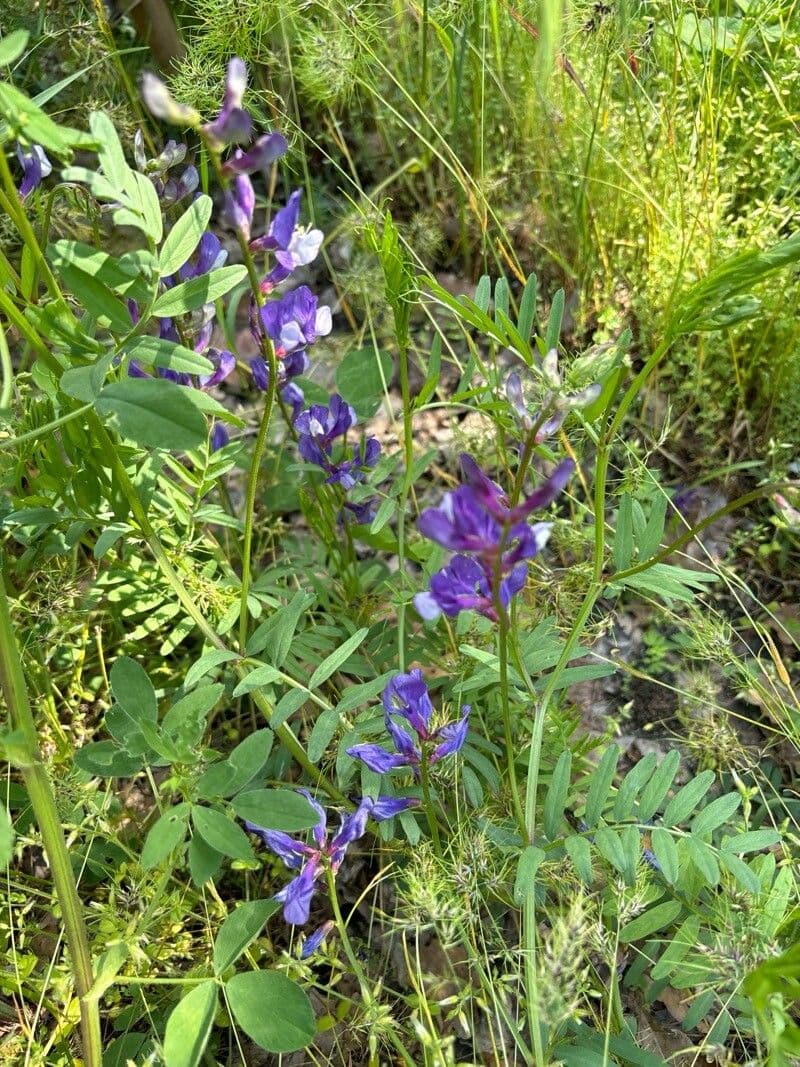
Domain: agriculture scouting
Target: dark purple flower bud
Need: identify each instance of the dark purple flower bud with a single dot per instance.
(387, 807)
(377, 758)
(233, 125)
(292, 395)
(313, 941)
(161, 103)
(259, 156)
(517, 400)
(219, 436)
(209, 255)
(285, 847)
(35, 166)
(238, 205)
(176, 189)
(260, 372)
(224, 364)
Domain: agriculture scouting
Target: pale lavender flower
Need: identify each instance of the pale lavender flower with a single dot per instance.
(35, 167)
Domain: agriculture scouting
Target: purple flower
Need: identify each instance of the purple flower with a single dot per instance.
(361, 513)
(463, 585)
(491, 539)
(233, 125)
(209, 255)
(295, 321)
(224, 364)
(260, 155)
(294, 246)
(35, 166)
(555, 401)
(238, 205)
(318, 427)
(311, 860)
(408, 713)
(175, 189)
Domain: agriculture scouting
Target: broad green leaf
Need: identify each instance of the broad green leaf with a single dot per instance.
(96, 298)
(225, 778)
(752, 841)
(133, 690)
(85, 383)
(164, 836)
(107, 760)
(609, 845)
(221, 833)
(189, 1026)
(703, 858)
(257, 679)
(146, 205)
(666, 852)
(362, 377)
(529, 862)
(184, 237)
(500, 300)
(684, 803)
(275, 809)
(278, 630)
(680, 943)
(109, 150)
(715, 814)
(185, 722)
(322, 733)
(655, 791)
(580, 852)
(120, 273)
(106, 968)
(207, 662)
(204, 861)
(28, 123)
(291, 700)
(741, 872)
(650, 540)
(356, 695)
(240, 928)
(631, 785)
(154, 413)
(272, 1010)
(12, 46)
(600, 785)
(195, 292)
(556, 798)
(333, 662)
(649, 921)
(156, 352)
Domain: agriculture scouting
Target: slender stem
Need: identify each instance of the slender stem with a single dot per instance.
(11, 202)
(250, 500)
(430, 811)
(423, 78)
(6, 372)
(42, 431)
(508, 733)
(341, 926)
(43, 802)
(408, 456)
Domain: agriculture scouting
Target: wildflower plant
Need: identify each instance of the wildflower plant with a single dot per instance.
(257, 714)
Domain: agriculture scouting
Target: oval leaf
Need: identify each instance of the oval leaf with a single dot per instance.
(272, 1010)
(184, 236)
(275, 809)
(154, 413)
(221, 833)
(240, 928)
(198, 291)
(189, 1025)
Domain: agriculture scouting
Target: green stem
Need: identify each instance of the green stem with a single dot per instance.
(408, 456)
(430, 811)
(508, 733)
(341, 926)
(44, 807)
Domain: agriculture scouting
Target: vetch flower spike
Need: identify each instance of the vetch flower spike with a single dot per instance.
(233, 125)
(407, 704)
(312, 860)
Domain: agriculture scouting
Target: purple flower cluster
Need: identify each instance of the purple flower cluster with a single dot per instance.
(311, 860)
(492, 541)
(408, 715)
(318, 427)
(295, 321)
